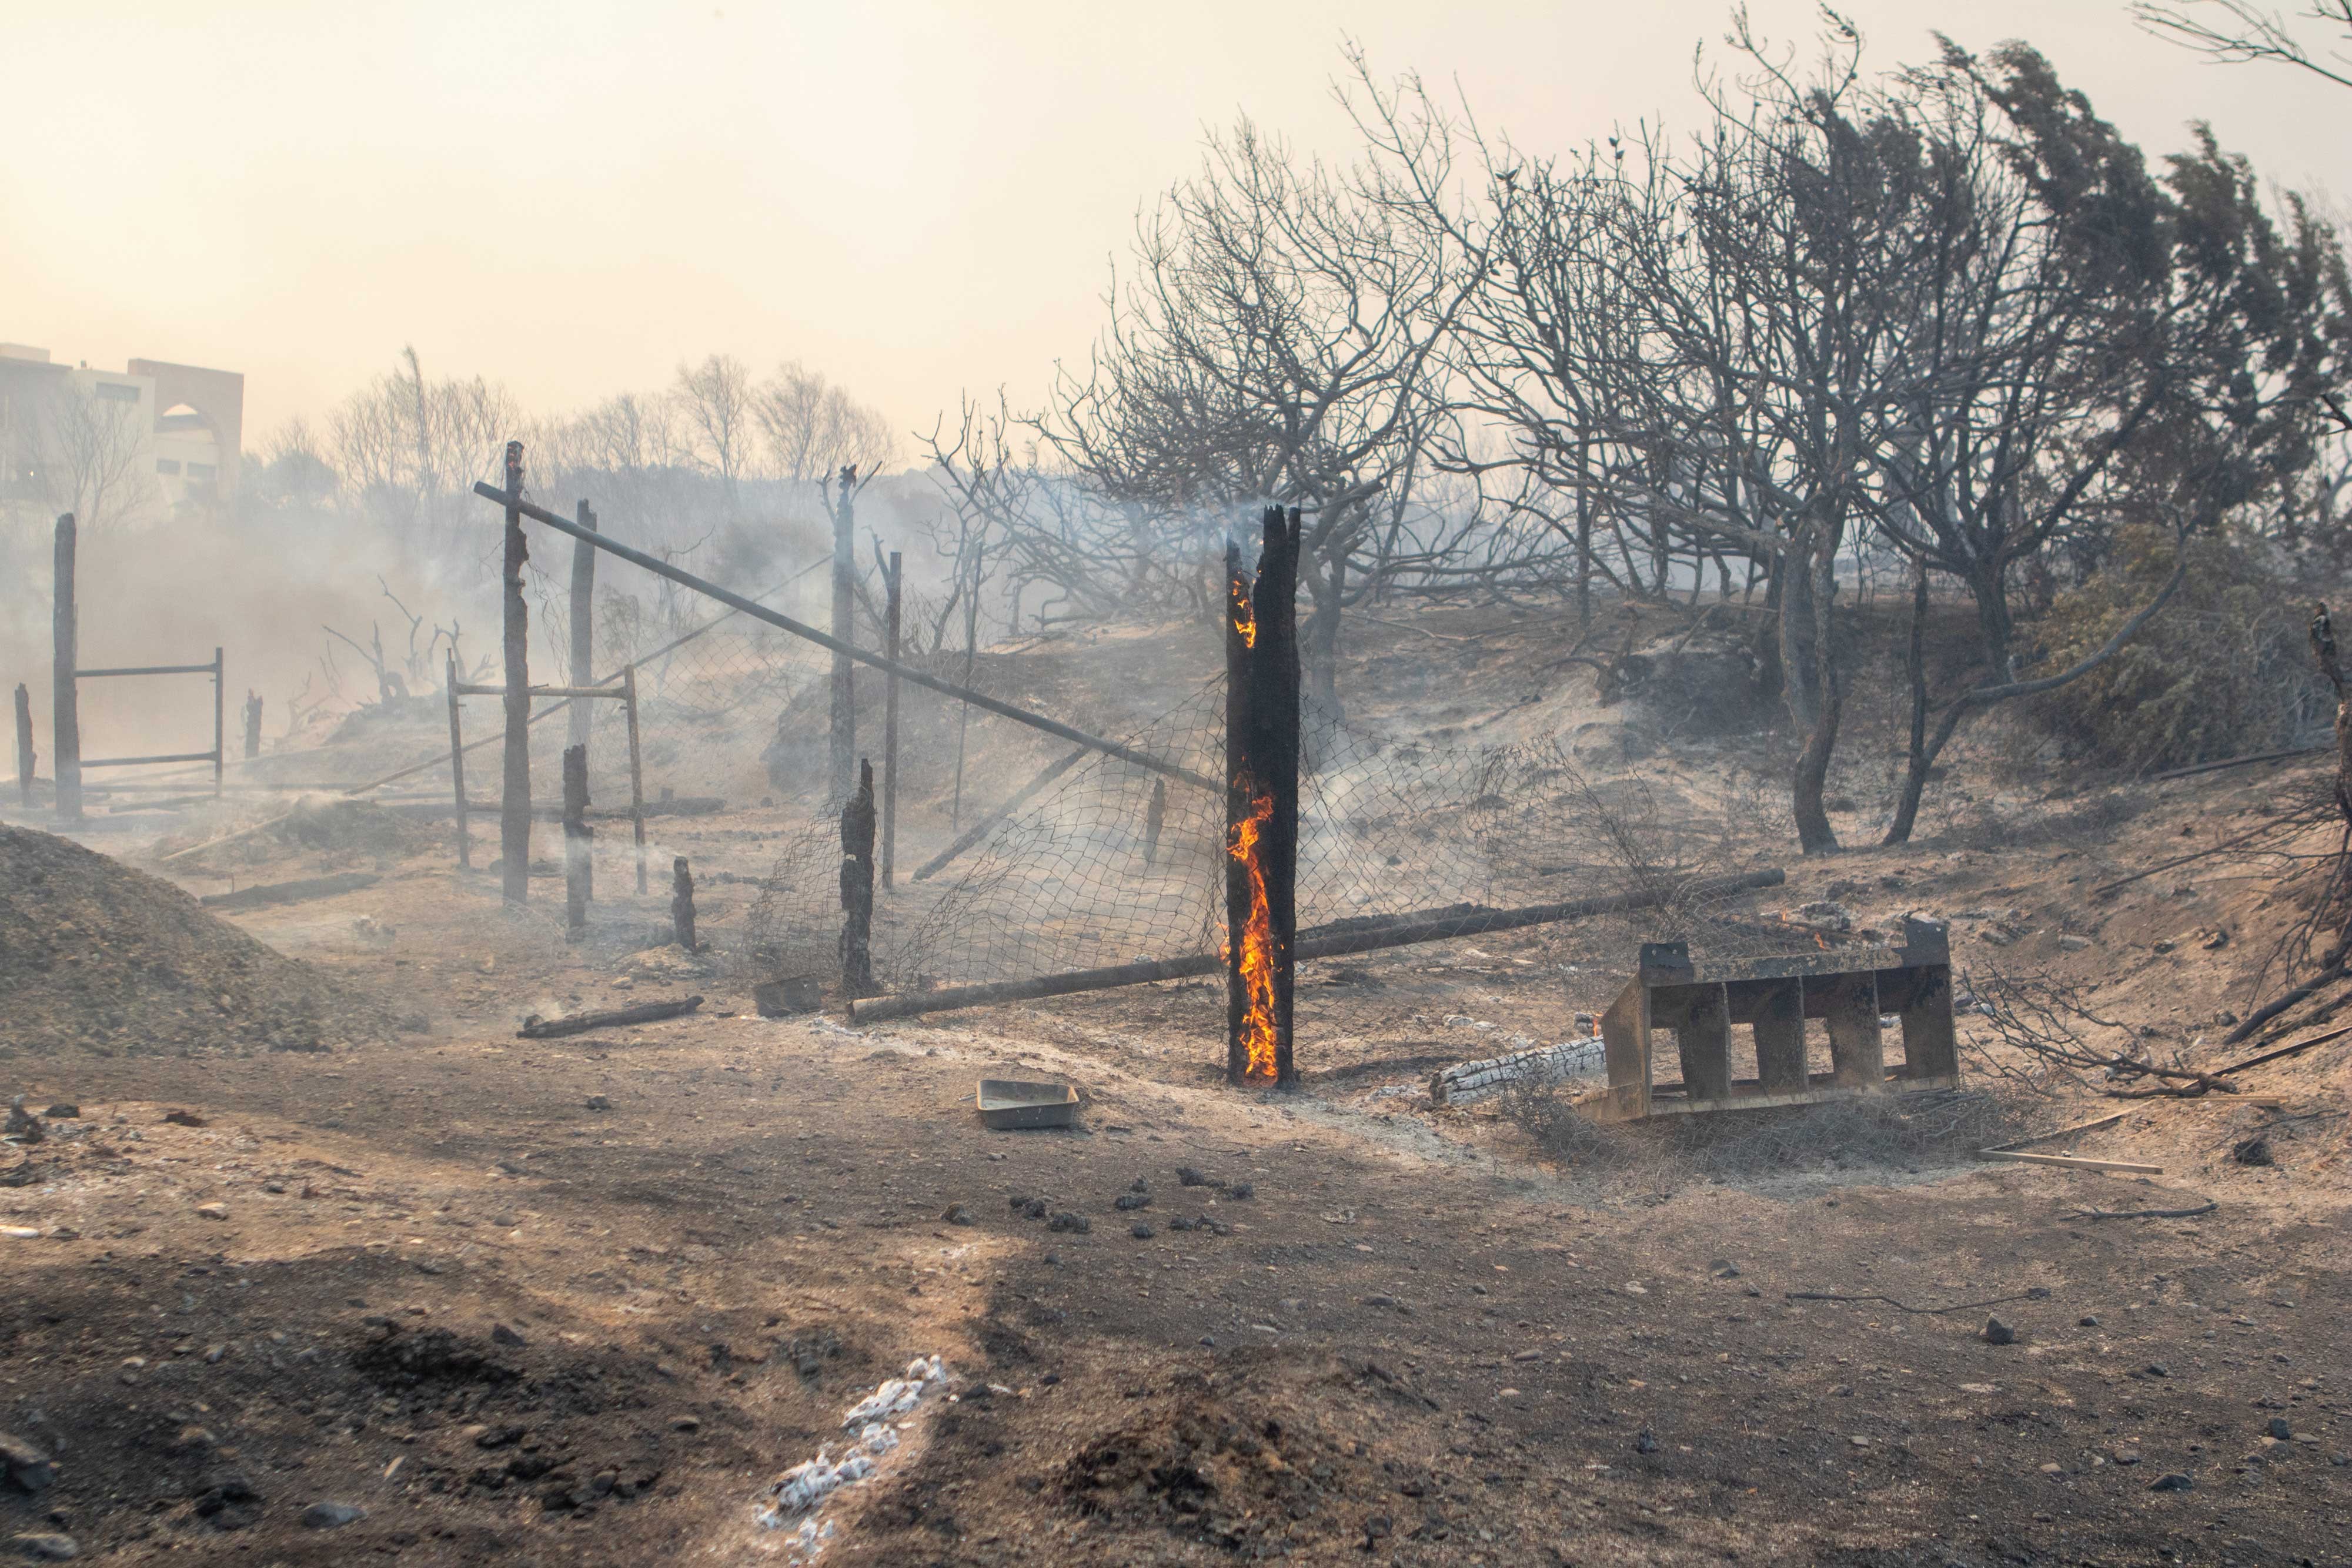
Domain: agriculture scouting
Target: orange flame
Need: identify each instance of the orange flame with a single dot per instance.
(1257, 943)
(1244, 614)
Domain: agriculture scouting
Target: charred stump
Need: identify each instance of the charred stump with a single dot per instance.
(252, 724)
(1261, 738)
(681, 905)
(514, 804)
(24, 758)
(579, 871)
(857, 826)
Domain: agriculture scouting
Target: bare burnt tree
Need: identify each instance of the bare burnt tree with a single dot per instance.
(715, 405)
(1278, 342)
(814, 429)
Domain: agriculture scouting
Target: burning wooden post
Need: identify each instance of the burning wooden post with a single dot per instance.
(681, 903)
(1262, 730)
(858, 824)
(514, 809)
(65, 753)
(890, 727)
(579, 871)
(843, 746)
(24, 744)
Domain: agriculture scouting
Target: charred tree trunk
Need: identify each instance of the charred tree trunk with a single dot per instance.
(890, 726)
(842, 753)
(578, 869)
(1262, 740)
(681, 903)
(1914, 771)
(2322, 648)
(1810, 688)
(514, 806)
(252, 724)
(66, 707)
(858, 824)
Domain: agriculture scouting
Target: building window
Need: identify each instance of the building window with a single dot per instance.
(199, 470)
(167, 465)
(117, 391)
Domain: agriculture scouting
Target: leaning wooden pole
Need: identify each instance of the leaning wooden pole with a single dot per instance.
(514, 807)
(458, 765)
(1262, 732)
(65, 716)
(1399, 931)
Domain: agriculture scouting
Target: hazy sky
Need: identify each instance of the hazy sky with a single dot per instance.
(914, 198)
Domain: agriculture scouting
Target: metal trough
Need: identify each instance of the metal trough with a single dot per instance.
(1005, 1103)
(1848, 990)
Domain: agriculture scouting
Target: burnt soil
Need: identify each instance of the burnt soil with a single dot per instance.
(422, 1275)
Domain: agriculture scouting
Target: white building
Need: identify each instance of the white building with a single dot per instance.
(152, 436)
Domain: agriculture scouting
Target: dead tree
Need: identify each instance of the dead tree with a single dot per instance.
(514, 811)
(857, 828)
(252, 724)
(578, 867)
(1262, 735)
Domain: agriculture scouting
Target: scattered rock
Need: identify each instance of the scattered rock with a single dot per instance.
(1187, 1177)
(1140, 1231)
(2125, 1456)
(1998, 1332)
(212, 1210)
(599, 1102)
(28, 1467)
(2086, 1321)
(1380, 1300)
(2158, 1369)
(501, 1334)
(1066, 1220)
(183, 1119)
(1138, 1184)
(2280, 1429)
(2172, 1481)
(48, 1548)
(63, 1110)
(1242, 1190)
(956, 1214)
(686, 1424)
(2072, 944)
(1127, 1201)
(23, 1125)
(1644, 1443)
(332, 1515)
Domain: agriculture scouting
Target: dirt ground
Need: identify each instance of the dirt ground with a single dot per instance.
(582, 1300)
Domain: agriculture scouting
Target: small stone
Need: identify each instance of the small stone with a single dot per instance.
(197, 1437)
(1380, 1300)
(599, 1102)
(1644, 1443)
(2280, 1429)
(1998, 1332)
(956, 1214)
(1180, 1222)
(501, 1334)
(1242, 1191)
(2070, 942)
(2253, 1152)
(212, 1210)
(1128, 1201)
(1859, 1441)
(273, 1187)
(2126, 1456)
(2053, 1468)
(63, 1110)
(2158, 1369)
(2086, 1321)
(1077, 1223)
(2171, 1481)
(213, 1354)
(686, 1424)
(1138, 1184)
(28, 1467)
(1140, 1230)
(1187, 1177)
(48, 1548)
(332, 1515)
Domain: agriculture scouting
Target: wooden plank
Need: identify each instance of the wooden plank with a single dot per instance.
(1780, 1026)
(2063, 1132)
(1857, 1052)
(1704, 1042)
(2071, 1161)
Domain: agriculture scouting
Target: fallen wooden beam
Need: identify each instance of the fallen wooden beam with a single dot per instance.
(538, 1027)
(1406, 931)
(290, 891)
(2071, 1161)
(2285, 1051)
(1536, 1064)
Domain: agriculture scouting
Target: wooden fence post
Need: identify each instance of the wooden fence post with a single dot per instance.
(24, 758)
(636, 771)
(65, 751)
(584, 623)
(1261, 738)
(220, 721)
(457, 767)
(842, 752)
(252, 724)
(578, 869)
(890, 729)
(514, 804)
(857, 887)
